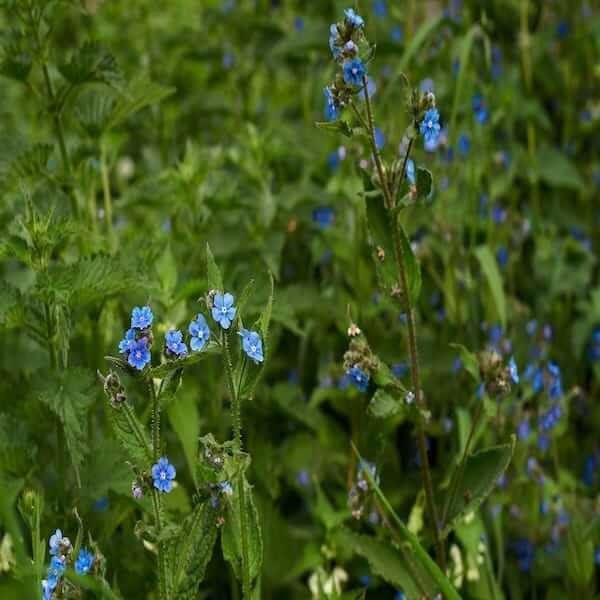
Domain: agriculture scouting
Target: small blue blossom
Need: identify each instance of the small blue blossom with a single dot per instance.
(163, 474)
(139, 354)
(174, 343)
(549, 419)
(252, 345)
(84, 562)
(379, 138)
(480, 109)
(464, 144)
(226, 488)
(47, 589)
(523, 429)
(353, 18)
(359, 378)
(380, 8)
(56, 541)
(543, 442)
(593, 350)
(323, 216)
(299, 24)
(396, 34)
(502, 256)
(354, 71)
(57, 565)
(513, 371)
(499, 214)
(126, 342)
(411, 172)
(524, 552)
(332, 112)
(303, 478)
(141, 318)
(223, 310)
(200, 333)
(430, 126)
(335, 41)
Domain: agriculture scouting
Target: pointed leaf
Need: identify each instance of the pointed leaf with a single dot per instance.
(131, 435)
(489, 267)
(213, 274)
(412, 266)
(383, 405)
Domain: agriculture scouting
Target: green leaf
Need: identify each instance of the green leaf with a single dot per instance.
(580, 554)
(11, 305)
(481, 473)
(17, 448)
(161, 371)
(92, 63)
(231, 536)
(469, 361)
(336, 127)
(383, 405)
(69, 394)
(555, 169)
(398, 567)
(184, 418)
(131, 435)
(489, 267)
(28, 168)
(192, 550)
(424, 184)
(412, 266)
(166, 269)
(141, 92)
(213, 274)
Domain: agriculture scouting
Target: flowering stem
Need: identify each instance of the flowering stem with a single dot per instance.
(163, 590)
(236, 409)
(412, 334)
(108, 214)
(155, 421)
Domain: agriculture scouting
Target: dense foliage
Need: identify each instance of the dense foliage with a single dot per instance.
(244, 356)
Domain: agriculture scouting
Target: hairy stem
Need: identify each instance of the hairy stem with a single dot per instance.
(155, 421)
(412, 334)
(163, 588)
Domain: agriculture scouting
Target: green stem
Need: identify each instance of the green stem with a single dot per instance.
(155, 421)
(163, 587)
(412, 335)
(236, 409)
(460, 471)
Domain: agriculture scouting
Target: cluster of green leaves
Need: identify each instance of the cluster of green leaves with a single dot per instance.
(133, 135)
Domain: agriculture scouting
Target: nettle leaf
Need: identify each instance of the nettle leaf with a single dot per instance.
(29, 167)
(16, 61)
(489, 268)
(17, 449)
(383, 405)
(213, 274)
(69, 394)
(481, 474)
(11, 305)
(231, 536)
(424, 185)
(93, 110)
(412, 266)
(191, 551)
(469, 361)
(398, 567)
(92, 63)
(140, 93)
(131, 435)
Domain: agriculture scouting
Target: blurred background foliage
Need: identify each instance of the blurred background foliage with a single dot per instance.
(192, 122)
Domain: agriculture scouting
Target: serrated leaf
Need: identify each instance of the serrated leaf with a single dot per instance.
(11, 305)
(231, 536)
(69, 394)
(481, 473)
(489, 268)
(335, 127)
(192, 550)
(29, 167)
(383, 405)
(469, 361)
(399, 568)
(93, 110)
(92, 63)
(17, 448)
(140, 92)
(131, 435)
(424, 185)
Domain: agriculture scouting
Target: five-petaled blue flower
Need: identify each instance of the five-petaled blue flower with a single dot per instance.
(323, 216)
(331, 108)
(174, 342)
(47, 589)
(359, 378)
(126, 342)
(223, 310)
(84, 562)
(163, 474)
(430, 126)
(252, 345)
(200, 333)
(139, 354)
(513, 371)
(353, 18)
(56, 541)
(354, 71)
(141, 318)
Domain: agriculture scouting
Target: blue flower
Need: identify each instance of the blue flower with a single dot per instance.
(139, 354)
(126, 342)
(57, 566)
(331, 108)
(323, 216)
(174, 343)
(548, 420)
(430, 126)
(141, 318)
(523, 550)
(47, 589)
(464, 144)
(303, 478)
(56, 541)
(523, 429)
(513, 371)
(252, 345)
(163, 474)
(84, 562)
(593, 351)
(410, 171)
(335, 41)
(480, 109)
(354, 71)
(223, 311)
(396, 34)
(359, 378)
(354, 19)
(200, 333)
(379, 138)
(380, 8)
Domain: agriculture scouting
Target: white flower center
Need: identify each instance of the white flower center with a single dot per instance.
(223, 310)
(253, 348)
(138, 354)
(163, 475)
(430, 124)
(354, 71)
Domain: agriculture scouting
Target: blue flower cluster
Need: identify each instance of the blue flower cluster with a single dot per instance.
(60, 551)
(359, 378)
(137, 341)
